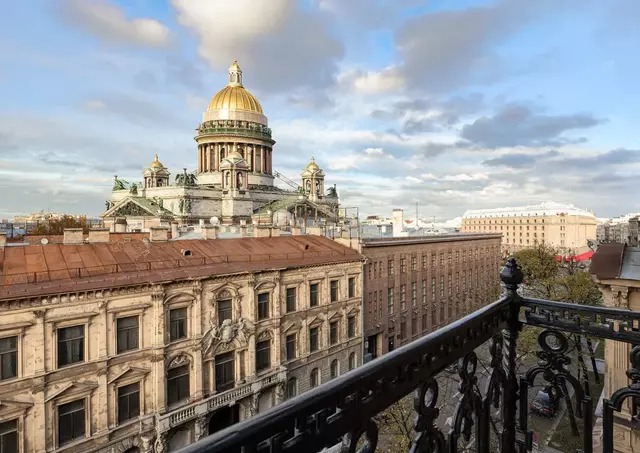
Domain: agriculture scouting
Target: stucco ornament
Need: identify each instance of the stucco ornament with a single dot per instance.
(226, 335)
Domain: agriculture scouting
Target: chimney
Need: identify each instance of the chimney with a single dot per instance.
(121, 226)
(72, 236)
(158, 234)
(296, 231)
(209, 231)
(398, 222)
(243, 231)
(174, 230)
(261, 232)
(314, 231)
(98, 235)
(275, 232)
(3, 240)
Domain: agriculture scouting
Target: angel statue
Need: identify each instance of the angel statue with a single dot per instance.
(119, 184)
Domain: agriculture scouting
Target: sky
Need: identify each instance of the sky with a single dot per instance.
(451, 105)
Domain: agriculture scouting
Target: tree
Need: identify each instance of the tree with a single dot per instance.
(548, 278)
(56, 226)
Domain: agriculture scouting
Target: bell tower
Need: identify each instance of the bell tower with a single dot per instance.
(313, 181)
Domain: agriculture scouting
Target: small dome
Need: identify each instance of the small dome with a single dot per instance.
(156, 163)
(234, 159)
(312, 165)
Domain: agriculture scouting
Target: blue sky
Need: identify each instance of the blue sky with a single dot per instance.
(456, 105)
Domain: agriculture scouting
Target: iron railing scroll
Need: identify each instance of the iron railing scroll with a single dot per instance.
(341, 414)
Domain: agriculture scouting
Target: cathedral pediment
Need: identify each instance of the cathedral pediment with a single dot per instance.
(137, 207)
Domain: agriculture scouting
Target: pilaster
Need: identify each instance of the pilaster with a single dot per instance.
(197, 333)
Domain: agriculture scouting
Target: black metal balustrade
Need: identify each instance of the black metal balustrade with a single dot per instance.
(340, 414)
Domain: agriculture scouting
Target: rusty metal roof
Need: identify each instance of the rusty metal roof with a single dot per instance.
(46, 269)
(606, 263)
(35, 239)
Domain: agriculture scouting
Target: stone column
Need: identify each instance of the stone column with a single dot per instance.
(214, 167)
(199, 159)
(197, 332)
(38, 434)
(201, 428)
(158, 366)
(254, 406)
(40, 334)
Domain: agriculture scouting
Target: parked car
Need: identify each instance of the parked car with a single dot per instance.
(545, 403)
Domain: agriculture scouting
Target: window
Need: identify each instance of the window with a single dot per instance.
(70, 345)
(9, 437)
(449, 258)
(71, 422)
(178, 384)
(292, 387)
(414, 326)
(403, 297)
(314, 378)
(457, 282)
(375, 270)
(457, 256)
(177, 324)
(291, 346)
(128, 402)
(263, 305)
(334, 369)
(291, 300)
(414, 294)
(375, 305)
(424, 321)
(313, 294)
(424, 261)
(433, 259)
(8, 359)
(224, 371)
(403, 330)
(313, 339)
(442, 259)
(263, 355)
(127, 333)
(225, 310)
(390, 301)
(333, 333)
(403, 265)
(334, 290)
(433, 288)
(424, 291)
(352, 287)
(442, 286)
(414, 263)
(351, 327)
(352, 361)
(390, 267)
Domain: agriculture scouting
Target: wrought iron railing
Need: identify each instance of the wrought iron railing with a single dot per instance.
(343, 414)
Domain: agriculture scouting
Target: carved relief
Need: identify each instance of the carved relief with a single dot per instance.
(227, 335)
(179, 360)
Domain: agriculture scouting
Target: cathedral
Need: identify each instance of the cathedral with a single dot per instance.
(234, 180)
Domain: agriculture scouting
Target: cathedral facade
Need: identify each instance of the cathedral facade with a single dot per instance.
(234, 179)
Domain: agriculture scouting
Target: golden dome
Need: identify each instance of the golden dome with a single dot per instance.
(156, 163)
(313, 166)
(235, 96)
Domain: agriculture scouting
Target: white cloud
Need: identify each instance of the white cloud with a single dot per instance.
(467, 177)
(384, 81)
(109, 22)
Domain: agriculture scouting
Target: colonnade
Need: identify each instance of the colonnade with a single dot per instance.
(258, 157)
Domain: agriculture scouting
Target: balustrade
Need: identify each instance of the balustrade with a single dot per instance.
(345, 412)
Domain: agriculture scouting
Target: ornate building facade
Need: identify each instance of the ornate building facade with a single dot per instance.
(234, 179)
(148, 345)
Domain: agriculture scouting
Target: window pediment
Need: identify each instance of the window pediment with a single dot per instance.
(264, 286)
(129, 373)
(74, 388)
(179, 297)
(8, 406)
(315, 322)
(179, 360)
(353, 311)
(292, 328)
(335, 315)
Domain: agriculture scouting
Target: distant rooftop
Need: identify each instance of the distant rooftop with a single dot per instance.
(543, 209)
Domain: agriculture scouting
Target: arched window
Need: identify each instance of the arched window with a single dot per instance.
(292, 388)
(334, 369)
(314, 379)
(352, 361)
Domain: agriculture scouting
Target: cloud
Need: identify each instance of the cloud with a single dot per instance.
(434, 149)
(518, 160)
(278, 44)
(444, 50)
(109, 23)
(520, 125)
(374, 82)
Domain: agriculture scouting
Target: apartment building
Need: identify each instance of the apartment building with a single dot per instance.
(146, 345)
(562, 226)
(415, 285)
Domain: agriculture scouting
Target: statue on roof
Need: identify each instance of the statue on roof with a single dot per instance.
(119, 184)
(134, 189)
(332, 192)
(186, 179)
